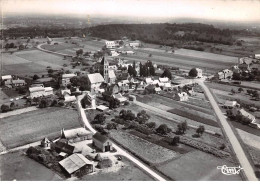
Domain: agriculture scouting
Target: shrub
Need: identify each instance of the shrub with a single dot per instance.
(5, 108)
(105, 163)
(163, 129)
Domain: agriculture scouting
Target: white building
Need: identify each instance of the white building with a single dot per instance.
(91, 99)
(95, 80)
(7, 78)
(66, 78)
(40, 91)
(199, 75)
(110, 44)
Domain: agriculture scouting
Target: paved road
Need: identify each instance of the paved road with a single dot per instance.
(242, 158)
(121, 151)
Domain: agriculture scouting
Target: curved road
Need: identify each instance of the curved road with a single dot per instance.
(121, 151)
(242, 158)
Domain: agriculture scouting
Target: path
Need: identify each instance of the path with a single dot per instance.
(238, 150)
(119, 149)
(18, 111)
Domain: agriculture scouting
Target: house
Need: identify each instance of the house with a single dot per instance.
(65, 92)
(95, 80)
(135, 44)
(110, 44)
(68, 99)
(111, 76)
(220, 75)
(140, 86)
(157, 90)
(182, 96)
(230, 104)
(7, 78)
(149, 80)
(228, 74)
(245, 115)
(113, 89)
(102, 142)
(76, 163)
(18, 82)
(76, 135)
(113, 53)
(91, 98)
(167, 86)
(123, 86)
(45, 142)
(65, 78)
(120, 98)
(48, 91)
(36, 92)
(199, 72)
(102, 108)
(164, 80)
(63, 146)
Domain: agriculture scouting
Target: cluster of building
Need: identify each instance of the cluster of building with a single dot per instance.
(72, 156)
(126, 47)
(9, 82)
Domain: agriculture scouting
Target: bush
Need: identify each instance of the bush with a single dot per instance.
(5, 108)
(163, 129)
(61, 103)
(151, 125)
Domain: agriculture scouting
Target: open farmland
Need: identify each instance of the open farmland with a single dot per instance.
(17, 166)
(35, 125)
(196, 166)
(130, 172)
(150, 152)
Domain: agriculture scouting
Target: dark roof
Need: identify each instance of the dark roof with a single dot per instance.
(100, 137)
(150, 87)
(62, 146)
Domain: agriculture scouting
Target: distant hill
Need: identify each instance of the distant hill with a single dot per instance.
(163, 34)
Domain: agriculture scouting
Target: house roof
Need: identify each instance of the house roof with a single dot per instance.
(4, 77)
(69, 75)
(100, 137)
(148, 80)
(45, 140)
(70, 98)
(48, 88)
(111, 74)
(164, 79)
(102, 107)
(18, 81)
(157, 89)
(246, 114)
(65, 91)
(95, 78)
(77, 132)
(230, 103)
(150, 87)
(74, 162)
(64, 147)
(38, 88)
(182, 94)
(167, 85)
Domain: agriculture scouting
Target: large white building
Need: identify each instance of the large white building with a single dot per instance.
(40, 91)
(95, 80)
(110, 44)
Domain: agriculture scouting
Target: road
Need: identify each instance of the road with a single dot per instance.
(241, 156)
(120, 151)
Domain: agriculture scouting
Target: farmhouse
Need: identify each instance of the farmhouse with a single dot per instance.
(230, 104)
(164, 80)
(95, 80)
(63, 146)
(101, 142)
(110, 44)
(36, 92)
(48, 91)
(45, 142)
(135, 44)
(68, 99)
(18, 82)
(245, 115)
(181, 96)
(199, 74)
(76, 163)
(149, 80)
(76, 135)
(66, 78)
(7, 78)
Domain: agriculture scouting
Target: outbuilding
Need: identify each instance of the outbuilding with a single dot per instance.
(102, 142)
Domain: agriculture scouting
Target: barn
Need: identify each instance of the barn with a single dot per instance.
(101, 142)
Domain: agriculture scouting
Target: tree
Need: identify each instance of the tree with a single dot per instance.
(182, 127)
(131, 71)
(233, 91)
(163, 129)
(5, 108)
(50, 71)
(35, 77)
(21, 47)
(113, 103)
(236, 76)
(249, 91)
(142, 117)
(100, 119)
(193, 72)
(175, 140)
(240, 90)
(151, 125)
(111, 126)
(129, 115)
(43, 103)
(12, 106)
(167, 73)
(200, 130)
(79, 52)
(150, 55)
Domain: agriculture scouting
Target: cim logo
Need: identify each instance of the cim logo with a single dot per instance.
(229, 170)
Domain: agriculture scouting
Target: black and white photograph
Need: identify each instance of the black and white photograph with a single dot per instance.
(130, 90)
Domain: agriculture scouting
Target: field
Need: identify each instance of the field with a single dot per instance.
(130, 172)
(30, 62)
(195, 166)
(17, 166)
(148, 151)
(34, 126)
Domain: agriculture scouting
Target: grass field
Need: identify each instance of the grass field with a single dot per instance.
(196, 166)
(17, 166)
(130, 172)
(33, 126)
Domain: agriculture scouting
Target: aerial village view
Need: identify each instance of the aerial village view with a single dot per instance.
(83, 100)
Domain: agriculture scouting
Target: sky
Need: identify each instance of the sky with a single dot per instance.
(231, 10)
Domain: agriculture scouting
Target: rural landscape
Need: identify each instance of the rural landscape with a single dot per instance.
(92, 99)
